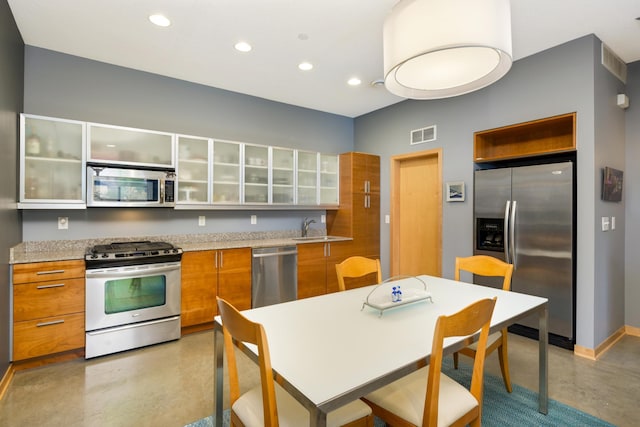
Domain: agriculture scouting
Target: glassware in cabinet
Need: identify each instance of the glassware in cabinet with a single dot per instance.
(130, 146)
(329, 179)
(193, 170)
(226, 172)
(51, 161)
(256, 174)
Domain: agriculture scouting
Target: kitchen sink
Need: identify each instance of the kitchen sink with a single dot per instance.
(317, 238)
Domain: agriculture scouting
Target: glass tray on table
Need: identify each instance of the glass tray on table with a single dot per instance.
(383, 297)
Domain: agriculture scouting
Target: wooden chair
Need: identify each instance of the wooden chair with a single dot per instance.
(358, 266)
(428, 397)
(268, 404)
(488, 266)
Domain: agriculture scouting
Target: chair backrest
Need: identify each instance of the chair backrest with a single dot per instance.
(484, 265)
(466, 322)
(236, 326)
(357, 266)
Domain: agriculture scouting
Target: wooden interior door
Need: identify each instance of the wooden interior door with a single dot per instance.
(416, 213)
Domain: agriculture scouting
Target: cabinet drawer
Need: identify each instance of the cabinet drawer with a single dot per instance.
(50, 335)
(47, 299)
(44, 271)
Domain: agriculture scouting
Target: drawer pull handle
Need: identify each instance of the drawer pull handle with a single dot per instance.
(40, 273)
(57, 285)
(53, 322)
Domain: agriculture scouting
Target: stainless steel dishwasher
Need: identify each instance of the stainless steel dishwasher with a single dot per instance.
(274, 275)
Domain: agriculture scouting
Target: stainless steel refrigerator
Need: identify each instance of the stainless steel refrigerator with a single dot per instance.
(525, 215)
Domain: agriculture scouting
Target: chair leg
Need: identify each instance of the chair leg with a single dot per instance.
(455, 360)
(503, 356)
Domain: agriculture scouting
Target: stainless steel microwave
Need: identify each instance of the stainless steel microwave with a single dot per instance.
(112, 187)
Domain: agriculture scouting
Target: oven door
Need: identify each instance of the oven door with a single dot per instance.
(118, 296)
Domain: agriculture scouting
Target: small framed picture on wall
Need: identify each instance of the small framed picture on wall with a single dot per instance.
(455, 191)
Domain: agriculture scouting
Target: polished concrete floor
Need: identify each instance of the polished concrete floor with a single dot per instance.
(171, 385)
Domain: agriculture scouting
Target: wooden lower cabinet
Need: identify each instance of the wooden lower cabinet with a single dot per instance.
(207, 274)
(48, 308)
(317, 267)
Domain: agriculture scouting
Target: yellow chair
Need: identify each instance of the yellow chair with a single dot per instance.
(427, 397)
(355, 267)
(268, 404)
(488, 266)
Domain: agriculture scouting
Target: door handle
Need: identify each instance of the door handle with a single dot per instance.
(505, 231)
(512, 234)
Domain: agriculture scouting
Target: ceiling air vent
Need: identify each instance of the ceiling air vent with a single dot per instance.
(613, 63)
(427, 134)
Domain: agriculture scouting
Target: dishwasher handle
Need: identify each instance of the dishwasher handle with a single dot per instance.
(270, 254)
(274, 251)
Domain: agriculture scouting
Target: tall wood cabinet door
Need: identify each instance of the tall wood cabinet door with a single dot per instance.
(311, 270)
(234, 277)
(199, 278)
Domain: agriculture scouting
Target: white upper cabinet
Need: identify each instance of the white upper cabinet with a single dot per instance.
(329, 179)
(52, 153)
(226, 172)
(282, 176)
(116, 145)
(193, 170)
(256, 174)
(307, 167)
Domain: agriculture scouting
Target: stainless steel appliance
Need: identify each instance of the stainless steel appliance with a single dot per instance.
(274, 274)
(525, 215)
(132, 296)
(111, 187)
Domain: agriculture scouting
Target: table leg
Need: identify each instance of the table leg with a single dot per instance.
(543, 361)
(218, 376)
(318, 418)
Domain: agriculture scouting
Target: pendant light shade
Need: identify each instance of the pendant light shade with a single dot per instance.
(442, 48)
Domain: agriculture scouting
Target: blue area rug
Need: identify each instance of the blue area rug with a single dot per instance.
(500, 409)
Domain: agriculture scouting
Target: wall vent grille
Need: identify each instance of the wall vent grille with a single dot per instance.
(613, 63)
(418, 136)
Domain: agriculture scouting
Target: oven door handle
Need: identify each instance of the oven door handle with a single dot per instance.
(116, 272)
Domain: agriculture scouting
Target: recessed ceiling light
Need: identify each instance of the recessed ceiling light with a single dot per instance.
(354, 81)
(305, 66)
(160, 20)
(243, 47)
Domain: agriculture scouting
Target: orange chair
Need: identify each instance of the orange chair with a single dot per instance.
(268, 404)
(357, 266)
(429, 398)
(488, 266)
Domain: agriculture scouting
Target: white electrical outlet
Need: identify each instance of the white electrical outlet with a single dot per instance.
(323, 219)
(387, 219)
(202, 221)
(63, 223)
(254, 219)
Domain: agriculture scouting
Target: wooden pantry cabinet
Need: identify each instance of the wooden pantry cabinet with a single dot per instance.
(48, 308)
(207, 274)
(359, 213)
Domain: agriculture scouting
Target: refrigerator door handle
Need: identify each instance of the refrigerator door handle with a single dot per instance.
(512, 234)
(507, 210)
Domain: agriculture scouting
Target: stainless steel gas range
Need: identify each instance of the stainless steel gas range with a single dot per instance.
(132, 296)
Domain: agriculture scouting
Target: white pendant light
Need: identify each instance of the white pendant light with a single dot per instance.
(442, 48)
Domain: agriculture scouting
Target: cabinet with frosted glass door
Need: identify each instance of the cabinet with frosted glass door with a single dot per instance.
(256, 174)
(52, 153)
(307, 184)
(193, 170)
(282, 176)
(329, 179)
(226, 172)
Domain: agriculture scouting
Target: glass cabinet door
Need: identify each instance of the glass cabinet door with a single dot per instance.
(193, 170)
(129, 146)
(307, 178)
(329, 179)
(256, 174)
(226, 172)
(282, 178)
(52, 155)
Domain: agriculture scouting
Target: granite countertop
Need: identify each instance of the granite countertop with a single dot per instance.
(61, 250)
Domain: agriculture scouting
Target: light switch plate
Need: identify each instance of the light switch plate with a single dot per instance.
(387, 219)
(323, 219)
(254, 219)
(63, 223)
(201, 220)
(605, 223)
(613, 222)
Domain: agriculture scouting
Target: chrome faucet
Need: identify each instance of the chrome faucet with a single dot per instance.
(305, 226)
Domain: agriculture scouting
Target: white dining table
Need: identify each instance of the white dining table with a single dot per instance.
(329, 350)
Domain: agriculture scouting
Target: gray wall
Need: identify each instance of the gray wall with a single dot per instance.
(65, 86)
(632, 199)
(556, 81)
(11, 71)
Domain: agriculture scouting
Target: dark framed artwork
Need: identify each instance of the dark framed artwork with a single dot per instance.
(611, 184)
